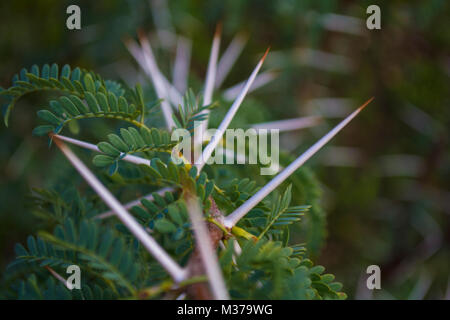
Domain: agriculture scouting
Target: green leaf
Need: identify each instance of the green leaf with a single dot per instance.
(102, 160)
(140, 143)
(69, 106)
(108, 149)
(175, 215)
(165, 226)
(79, 104)
(89, 83)
(112, 100)
(65, 72)
(76, 73)
(42, 130)
(92, 102)
(127, 137)
(49, 117)
(102, 101)
(46, 71)
(54, 71)
(118, 142)
(123, 105)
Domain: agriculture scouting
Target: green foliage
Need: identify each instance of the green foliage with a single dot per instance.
(191, 112)
(102, 99)
(114, 263)
(269, 270)
(355, 199)
(99, 249)
(132, 141)
(282, 215)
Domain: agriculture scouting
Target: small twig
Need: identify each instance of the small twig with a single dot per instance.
(240, 212)
(228, 117)
(170, 265)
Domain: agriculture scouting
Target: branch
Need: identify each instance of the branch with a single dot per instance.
(170, 265)
(204, 257)
(240, 212)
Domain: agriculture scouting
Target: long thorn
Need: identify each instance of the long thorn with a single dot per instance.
(289, 124)
(93, 147)
(171, 92)
(57, 276)
(229, 57)
(261, 80)
(228, 117)
(181, 65)
(136, 202)
(240, 212)
(212, 67)
(170, 265)
(208, 256)
(209, 82)
(146, 64)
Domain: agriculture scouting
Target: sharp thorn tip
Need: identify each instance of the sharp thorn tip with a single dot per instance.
(265, 54)
(366, 104)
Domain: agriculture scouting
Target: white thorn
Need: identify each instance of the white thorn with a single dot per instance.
(261, 80)
(170, 265)
(228, 117)
(93, 147)
(147, 65)
(209, 84)
(289, 124)
(181, 66)
(229, 57)
(240, 212)
(136, 202)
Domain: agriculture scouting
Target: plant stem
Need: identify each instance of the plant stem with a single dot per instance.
(205, 248)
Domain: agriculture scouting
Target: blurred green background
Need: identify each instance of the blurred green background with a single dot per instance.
(385, 179)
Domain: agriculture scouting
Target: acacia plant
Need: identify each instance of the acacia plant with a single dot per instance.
(196, 235)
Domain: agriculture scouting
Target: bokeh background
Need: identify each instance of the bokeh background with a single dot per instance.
(385, 179)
